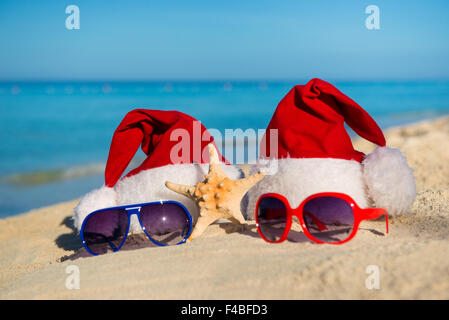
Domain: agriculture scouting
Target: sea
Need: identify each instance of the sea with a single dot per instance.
(55, 136)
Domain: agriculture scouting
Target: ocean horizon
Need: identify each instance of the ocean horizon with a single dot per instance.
(55, 135)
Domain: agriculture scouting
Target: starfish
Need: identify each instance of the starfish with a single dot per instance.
(217, 196)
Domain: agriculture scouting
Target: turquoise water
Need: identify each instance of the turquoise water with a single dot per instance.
(55, 137)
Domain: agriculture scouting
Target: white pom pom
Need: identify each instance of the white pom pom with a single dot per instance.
(389, 179)
(97, 199)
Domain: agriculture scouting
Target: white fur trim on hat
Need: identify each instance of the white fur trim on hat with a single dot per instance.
(148, 186)
(296, 179)
(389, 180)
(96, 199)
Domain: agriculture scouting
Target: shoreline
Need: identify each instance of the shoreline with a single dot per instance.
(86, 177)
(227, 264)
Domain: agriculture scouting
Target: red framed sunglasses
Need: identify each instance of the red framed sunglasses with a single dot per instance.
(327, 217)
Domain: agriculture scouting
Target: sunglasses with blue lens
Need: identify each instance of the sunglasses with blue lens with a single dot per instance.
(163, 222)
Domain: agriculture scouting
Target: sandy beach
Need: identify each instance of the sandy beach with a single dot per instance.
(37, 247)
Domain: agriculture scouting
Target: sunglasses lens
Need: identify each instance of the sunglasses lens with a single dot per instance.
(271, 218)
(105, 230)
(328, 219)
(166, 223)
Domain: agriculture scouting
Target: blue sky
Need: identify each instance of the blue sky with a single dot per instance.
(191, 40)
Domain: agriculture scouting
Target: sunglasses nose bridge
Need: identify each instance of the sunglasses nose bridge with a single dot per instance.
(296, 212)
(133, 210)
(134, 218)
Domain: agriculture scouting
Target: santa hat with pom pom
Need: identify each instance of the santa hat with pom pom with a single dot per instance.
(314, 153)
(175, 145)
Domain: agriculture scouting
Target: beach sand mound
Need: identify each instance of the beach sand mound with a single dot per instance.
(37, 248)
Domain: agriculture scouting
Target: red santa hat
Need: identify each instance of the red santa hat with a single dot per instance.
(313, 152)
(175, 147)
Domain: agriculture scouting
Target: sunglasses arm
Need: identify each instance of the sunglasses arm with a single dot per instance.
(104, 238)
(374, 213)
(317, 222)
